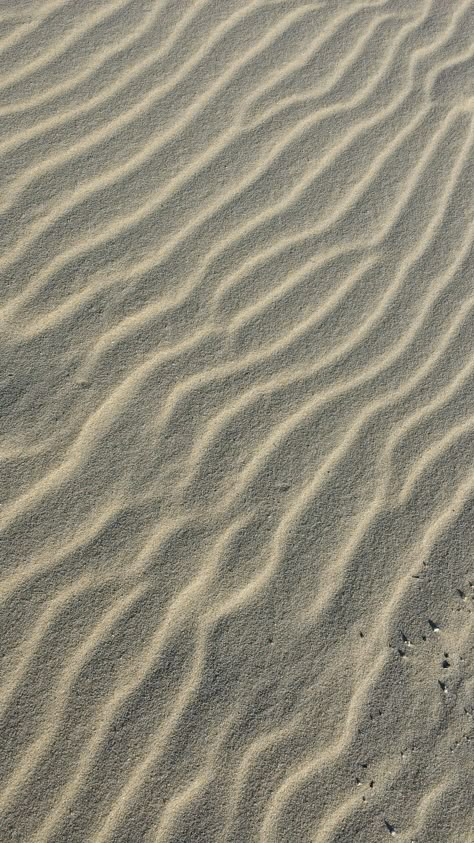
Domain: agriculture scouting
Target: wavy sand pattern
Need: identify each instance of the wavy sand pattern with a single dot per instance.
(237, 421)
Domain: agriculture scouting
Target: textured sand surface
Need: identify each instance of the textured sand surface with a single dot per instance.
(237, 421)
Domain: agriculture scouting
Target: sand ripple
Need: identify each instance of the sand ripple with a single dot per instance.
(237, 421)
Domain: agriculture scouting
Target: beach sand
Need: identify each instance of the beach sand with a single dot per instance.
(237, 421)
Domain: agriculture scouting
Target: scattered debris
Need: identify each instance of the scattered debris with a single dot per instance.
(390, 828)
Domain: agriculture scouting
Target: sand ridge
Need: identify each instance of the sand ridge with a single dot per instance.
(237, 421)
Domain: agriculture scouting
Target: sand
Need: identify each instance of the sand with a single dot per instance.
(237, 421)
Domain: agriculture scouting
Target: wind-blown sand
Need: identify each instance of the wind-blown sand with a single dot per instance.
(237, 421)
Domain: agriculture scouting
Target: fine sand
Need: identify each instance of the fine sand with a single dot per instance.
(237, 421)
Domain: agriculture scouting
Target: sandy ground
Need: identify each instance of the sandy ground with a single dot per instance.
(237, 421)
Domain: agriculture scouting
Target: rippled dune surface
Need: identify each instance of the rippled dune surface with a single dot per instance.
(237, 421)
